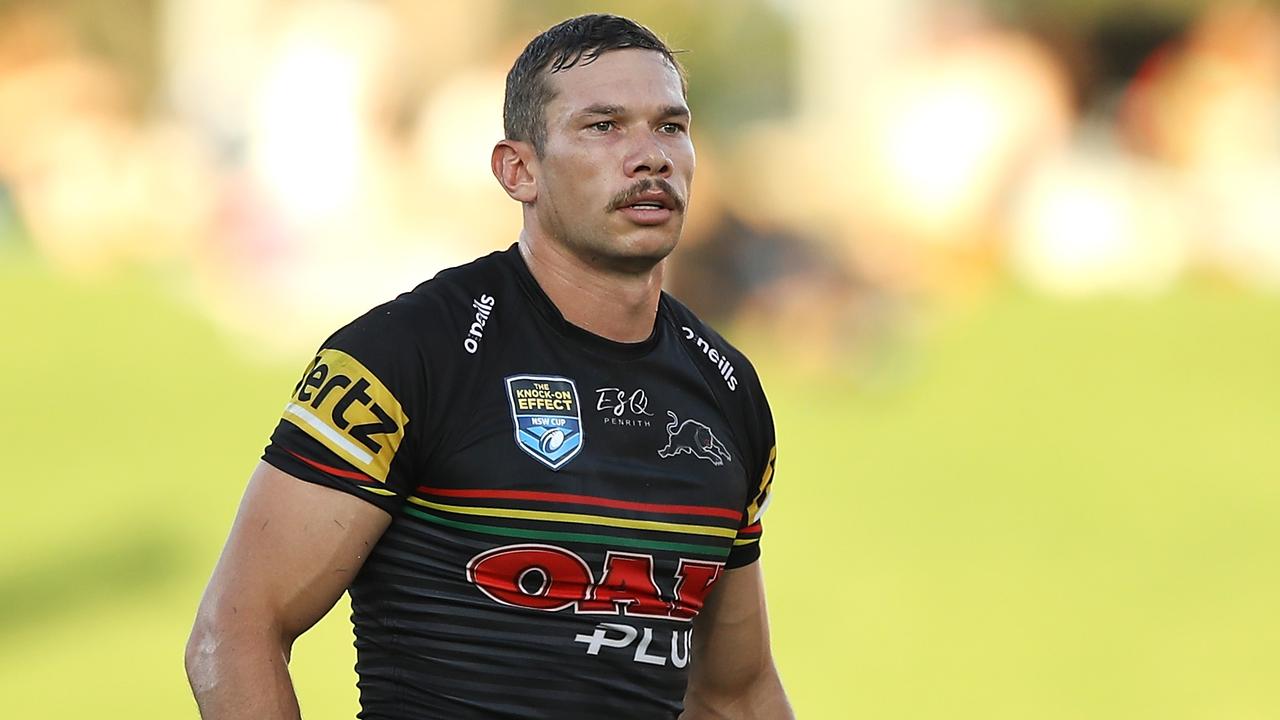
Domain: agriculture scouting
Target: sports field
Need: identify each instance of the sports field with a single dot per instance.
(1052, 510)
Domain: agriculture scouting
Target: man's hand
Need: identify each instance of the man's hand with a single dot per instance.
(293, 550)
(733, 676)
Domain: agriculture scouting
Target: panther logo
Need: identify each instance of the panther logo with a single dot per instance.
(694, 438)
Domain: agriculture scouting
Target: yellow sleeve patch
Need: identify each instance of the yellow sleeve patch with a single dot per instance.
(346, 408)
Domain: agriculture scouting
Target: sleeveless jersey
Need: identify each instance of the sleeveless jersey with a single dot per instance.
(561, 503)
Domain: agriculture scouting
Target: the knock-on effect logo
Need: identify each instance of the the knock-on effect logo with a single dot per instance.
(547, 418)
(694, 438)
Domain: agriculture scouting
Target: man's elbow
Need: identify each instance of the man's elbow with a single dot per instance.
(220, 639)
(201, 654)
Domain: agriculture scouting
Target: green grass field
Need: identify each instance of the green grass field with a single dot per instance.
(1057, 511)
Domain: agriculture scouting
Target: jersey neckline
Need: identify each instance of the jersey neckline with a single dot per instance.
(584, 338)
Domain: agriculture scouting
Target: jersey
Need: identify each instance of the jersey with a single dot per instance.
(562, 504)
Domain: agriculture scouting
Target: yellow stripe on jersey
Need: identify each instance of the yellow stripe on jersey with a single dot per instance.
(579, 518)
(766, 480)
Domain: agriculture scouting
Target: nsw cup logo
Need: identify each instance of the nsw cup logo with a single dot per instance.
(547, 418)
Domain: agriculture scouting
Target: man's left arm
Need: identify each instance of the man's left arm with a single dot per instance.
(733, 676)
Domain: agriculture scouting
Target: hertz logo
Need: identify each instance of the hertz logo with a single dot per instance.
(348, 410)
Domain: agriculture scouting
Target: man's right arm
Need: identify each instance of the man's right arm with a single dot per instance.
(293, 550)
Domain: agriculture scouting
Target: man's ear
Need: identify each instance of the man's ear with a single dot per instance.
(514, 164)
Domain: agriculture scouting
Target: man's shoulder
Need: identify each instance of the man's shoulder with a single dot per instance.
(480, 276)
(700, 338)
(732, 379)
(437, 308)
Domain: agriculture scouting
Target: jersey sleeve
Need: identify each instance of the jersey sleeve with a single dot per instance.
(351, 421)
(746, 546)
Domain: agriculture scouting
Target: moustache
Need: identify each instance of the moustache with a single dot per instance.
(632, 194)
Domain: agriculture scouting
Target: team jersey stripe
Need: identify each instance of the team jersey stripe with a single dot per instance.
(755, 510)
(750, 530)
(579, 518)
(745, 541)
(568, 536)
(583, 500)
(339, 472)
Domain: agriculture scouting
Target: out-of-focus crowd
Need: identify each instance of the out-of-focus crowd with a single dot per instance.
(287, 164)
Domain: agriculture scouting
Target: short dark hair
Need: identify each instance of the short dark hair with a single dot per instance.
(576, 41)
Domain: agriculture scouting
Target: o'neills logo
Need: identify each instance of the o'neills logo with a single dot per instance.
(715, 356)
(484, 307)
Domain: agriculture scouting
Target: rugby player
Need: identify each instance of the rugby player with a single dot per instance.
(539, 477)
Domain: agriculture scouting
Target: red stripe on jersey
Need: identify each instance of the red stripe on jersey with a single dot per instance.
(753, 528)
(583, 500)
(350, 475)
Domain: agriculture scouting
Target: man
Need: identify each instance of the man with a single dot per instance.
(539, 477)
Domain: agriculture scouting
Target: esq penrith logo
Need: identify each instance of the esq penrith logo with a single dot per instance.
(620, 407)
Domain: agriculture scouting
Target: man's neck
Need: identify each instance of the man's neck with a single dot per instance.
(620, 306)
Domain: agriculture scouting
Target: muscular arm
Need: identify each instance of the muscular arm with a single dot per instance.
(293, 550)
(733, 676)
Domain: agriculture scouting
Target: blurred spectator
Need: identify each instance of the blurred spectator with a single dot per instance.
(85, 171)
(1093, 220)
(1209, 104)
(300, 160)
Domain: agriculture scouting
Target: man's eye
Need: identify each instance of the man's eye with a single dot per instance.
(602, 126)
(671, 128)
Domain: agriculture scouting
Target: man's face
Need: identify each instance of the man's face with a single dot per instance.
(618, 163)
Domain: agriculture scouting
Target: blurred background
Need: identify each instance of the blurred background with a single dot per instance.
(1010, 271)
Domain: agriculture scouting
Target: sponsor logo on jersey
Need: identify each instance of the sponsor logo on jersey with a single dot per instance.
(717, 358)
(344, 406)
(620, 407)
(618, 635)
(547, 419)
(551, 579)
(694, 438)
(483, 306)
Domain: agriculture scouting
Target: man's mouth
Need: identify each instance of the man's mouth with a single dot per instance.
(646, 214)
(649, 196)
(649, 202)
(649, 205)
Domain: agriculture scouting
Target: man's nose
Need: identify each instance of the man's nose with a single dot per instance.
(649, 159)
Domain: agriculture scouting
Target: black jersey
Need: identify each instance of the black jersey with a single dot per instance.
(561, 503)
